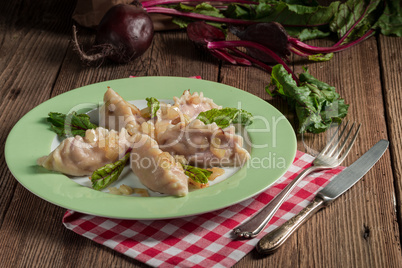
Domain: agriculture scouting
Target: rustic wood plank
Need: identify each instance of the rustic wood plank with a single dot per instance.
(32, 47)
(391, 66)
(161, 59)
(357, 77)
(34, 39)
(74, 73)
(369, 240)
(173, 54)
(34, 236)
(37, 63)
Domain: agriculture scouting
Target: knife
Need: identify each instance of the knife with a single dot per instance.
(340, 184)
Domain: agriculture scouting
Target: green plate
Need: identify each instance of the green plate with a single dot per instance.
(271, 136)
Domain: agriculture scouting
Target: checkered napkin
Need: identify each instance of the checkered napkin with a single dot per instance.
(204, 240)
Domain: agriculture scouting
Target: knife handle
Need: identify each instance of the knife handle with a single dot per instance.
(274, 239)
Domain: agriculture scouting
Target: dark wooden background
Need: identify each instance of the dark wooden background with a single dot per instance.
(360, 229)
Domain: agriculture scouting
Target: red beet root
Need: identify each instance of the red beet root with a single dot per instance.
(272, 35)
(201, 33)
(124, 34)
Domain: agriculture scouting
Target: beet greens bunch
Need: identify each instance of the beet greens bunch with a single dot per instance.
(268, 31)
(303, 19)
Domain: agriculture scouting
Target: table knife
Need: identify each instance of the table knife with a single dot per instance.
(340, 184)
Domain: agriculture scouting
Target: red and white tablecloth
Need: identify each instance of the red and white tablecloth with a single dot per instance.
(204, 240)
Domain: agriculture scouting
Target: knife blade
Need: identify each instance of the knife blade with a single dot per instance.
(339, 185)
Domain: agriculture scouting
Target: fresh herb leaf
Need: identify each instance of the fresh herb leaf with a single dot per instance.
(106, 175)
(226, 116)
(153, 105)
(316, 103)
(198, 175)
(70, 125)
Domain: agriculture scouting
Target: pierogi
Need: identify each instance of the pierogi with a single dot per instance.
(172, 133)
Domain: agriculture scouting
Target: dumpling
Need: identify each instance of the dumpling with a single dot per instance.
(78, 156)
(193, 104)
(206, 145)
(155, 169)
(116, 113)
(167, 116)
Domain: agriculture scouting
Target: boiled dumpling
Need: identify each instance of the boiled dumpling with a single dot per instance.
(156, 169)
(78, 156)
(116, 113)
(193, 104)
(206, 145)
(167, 116)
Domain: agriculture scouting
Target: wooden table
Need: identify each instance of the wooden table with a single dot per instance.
(360, 229)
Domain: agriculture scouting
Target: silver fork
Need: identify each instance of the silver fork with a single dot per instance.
(329, 157)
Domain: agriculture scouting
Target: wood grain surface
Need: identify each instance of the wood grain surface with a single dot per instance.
(360, 229)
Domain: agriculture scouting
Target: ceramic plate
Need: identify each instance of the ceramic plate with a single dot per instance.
(270, 139)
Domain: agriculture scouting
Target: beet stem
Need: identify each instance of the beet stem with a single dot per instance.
(351, 29)
(152, 3)
(315, 50)
(253, 60)
(234, 44)
(241, 60)
(223, 56)
(299, 53)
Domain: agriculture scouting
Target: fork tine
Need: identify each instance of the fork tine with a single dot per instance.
(338, 152)
(334, 146)
(332, 139)
(350, 145)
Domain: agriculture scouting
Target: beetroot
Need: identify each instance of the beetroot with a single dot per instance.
(124, 33)
(272, 35)
(201, 33)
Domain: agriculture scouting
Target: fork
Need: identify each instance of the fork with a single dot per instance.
(329, 157)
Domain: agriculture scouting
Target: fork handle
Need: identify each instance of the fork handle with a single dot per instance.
(274, 239)
(256, 223)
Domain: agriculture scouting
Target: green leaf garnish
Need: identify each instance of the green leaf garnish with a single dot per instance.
(199, 175)
(316, 103)
(226, 116)
(71, 124)
(153, 105)
(106, 175)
